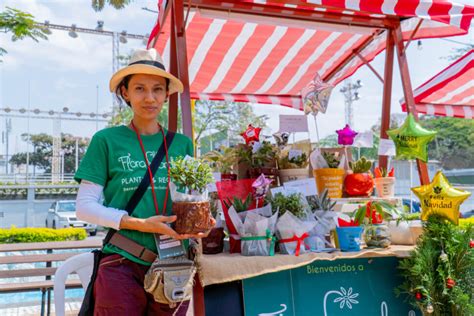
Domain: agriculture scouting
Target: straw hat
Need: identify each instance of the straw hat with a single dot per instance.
(146, 61)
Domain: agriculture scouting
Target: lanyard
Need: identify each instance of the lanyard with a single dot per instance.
(150, 173)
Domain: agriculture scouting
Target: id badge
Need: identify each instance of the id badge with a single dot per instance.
(169, 247)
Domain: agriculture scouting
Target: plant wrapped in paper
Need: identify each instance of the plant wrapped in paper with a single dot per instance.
(294, 203)
(223, 161)
(293, 162)
(360, 182)
(372, 216)
(189, 180)
(322, 208)
(292, 232)
(384, 182)
(255, 229)
(328, 171)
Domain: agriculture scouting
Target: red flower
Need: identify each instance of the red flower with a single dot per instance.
(418, 296)
(450, 283)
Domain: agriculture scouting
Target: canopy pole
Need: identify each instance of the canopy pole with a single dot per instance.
(182, 57)
(173, 99)
(387, 93)
(408, 93)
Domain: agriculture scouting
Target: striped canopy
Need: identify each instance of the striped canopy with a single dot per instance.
(267, 51)
(450, 92)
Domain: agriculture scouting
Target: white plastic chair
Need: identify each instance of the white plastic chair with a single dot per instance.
(82, 264)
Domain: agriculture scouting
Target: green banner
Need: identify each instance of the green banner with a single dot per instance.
(328, 288)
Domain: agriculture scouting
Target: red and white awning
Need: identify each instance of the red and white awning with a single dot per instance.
(236, 54)
(450, 92)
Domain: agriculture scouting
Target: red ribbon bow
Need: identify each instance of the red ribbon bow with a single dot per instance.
(298, 240)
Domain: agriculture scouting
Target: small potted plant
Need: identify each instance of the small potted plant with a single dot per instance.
(360, 182)
(323, 211)
(293, 168)
(330, 178)
(371, 216)
(384, 182)
(349, 234)
(406, 229)
(238, 204)
(214, 242)
(293, 203)
(190, 177)
(223, 161)
(263, 161)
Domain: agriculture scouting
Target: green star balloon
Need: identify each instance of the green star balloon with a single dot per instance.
(411, 140)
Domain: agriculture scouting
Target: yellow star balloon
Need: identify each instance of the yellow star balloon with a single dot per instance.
(439, 197)
(411, 140)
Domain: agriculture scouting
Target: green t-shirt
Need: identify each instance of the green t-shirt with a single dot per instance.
(115, 160)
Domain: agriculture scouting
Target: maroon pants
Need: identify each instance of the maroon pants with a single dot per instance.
(118, 290)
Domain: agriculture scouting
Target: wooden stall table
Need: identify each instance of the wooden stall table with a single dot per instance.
(337, 283)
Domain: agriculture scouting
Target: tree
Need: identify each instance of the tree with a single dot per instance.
(42, 153)
(98, 5)
(21, 24)
(454, 143)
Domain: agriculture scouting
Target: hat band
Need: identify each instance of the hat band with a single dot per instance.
(149, 62)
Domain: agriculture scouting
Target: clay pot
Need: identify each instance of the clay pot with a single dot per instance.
(359, 184)
(214, 242)
(192, 217)
(385, 187)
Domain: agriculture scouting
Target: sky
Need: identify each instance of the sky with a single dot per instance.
(74, 73)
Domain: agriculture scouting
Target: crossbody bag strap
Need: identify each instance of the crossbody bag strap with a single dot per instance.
(143, 186)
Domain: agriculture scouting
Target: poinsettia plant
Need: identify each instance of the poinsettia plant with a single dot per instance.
(381, 172)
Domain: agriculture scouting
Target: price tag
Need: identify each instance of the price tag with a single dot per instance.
(306, 186)
(168, 247)
(293, 123)
(294, 153)
(386, 147)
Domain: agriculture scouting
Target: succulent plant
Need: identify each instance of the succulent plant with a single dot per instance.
(321, 202)
(360, 166)
(331, 159)
(292, 203)
(238, 204)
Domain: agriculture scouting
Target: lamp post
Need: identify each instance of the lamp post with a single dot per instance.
(351, 94)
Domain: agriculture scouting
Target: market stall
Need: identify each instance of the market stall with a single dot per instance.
(268, 52)
(450, 92)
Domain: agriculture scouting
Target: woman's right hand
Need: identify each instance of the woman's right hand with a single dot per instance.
(156, 224)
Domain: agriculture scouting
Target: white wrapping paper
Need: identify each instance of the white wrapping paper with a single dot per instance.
(288, 226)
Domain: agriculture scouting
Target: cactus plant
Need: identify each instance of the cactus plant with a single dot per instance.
(360, 166)
(321, 202)
(331, 159)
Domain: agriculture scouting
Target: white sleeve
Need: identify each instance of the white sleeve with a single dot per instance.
(89, 208)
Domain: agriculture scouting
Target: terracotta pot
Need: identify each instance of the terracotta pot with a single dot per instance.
(330, 179)
(214, 242)
(287, 175)
(192, 217)
(359, 184)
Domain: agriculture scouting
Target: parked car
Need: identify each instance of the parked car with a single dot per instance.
(467, 214)
(411, 206)
(62, 214)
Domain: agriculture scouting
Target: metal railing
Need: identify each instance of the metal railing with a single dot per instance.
(23, 178)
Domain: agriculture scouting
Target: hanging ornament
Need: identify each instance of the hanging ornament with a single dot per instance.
(418, 296)
(411, 140)
(316, 96)
(471, 244)
(346, 135)
(281, 138)
(443, 257)
(450, 283)
(251, 134)
(429, 308)
(439, 197)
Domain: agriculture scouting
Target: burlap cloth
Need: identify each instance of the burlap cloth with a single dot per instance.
(225, 267)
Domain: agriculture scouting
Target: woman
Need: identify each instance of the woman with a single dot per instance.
(114, 165)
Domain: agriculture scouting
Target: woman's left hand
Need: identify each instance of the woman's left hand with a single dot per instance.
(212, 223)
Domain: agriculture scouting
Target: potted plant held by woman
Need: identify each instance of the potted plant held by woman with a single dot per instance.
(190, 177)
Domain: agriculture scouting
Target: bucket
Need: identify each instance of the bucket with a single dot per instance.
(349, 238)
(330, 179)
(385, 187)
(287, 175)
